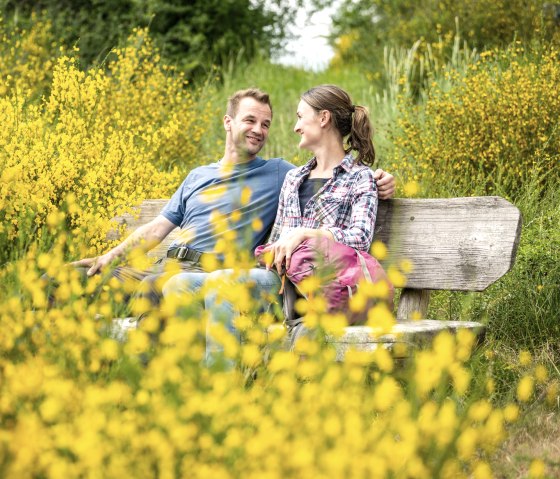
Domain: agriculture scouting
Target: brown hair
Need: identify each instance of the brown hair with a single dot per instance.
(235, 99)
(350, 120)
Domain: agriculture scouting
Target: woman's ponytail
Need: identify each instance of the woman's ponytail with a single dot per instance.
(350, 120)
(360, 138)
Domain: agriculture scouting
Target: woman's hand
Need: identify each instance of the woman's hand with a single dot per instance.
(283, 248)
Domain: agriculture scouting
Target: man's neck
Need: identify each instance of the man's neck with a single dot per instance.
(234, 158)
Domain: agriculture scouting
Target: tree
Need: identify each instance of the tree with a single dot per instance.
(191, 34)
(363, 27)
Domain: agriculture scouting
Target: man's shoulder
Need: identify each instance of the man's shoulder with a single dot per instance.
(208, 168)
(273, 167)
(280, 163)
(203, 172)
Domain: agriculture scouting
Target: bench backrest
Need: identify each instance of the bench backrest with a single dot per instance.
(461, 244)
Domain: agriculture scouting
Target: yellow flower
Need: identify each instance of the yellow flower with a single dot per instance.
(386, 393)
(511, 412)
(541, 374)
(525, 358)
(525, 388)
(411, 188)
(245, 195)
(379, 250)
(250, 355)
(482, 471)
(396, 277)
(537, 469)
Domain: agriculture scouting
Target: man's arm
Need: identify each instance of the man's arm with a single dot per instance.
(385, 184)
(146, 236)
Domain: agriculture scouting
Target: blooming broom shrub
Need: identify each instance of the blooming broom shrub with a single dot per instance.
(27, 58)
(110, 137)
(486, 131)
(76, 402)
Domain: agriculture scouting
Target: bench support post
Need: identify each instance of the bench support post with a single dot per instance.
(413, 301)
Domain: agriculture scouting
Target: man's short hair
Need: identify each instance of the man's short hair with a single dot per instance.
(235, 99)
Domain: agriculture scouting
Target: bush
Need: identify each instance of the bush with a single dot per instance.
(364, 27)
(488, 131)
(521, 310)
(27, 58)
(108, 137)
(192, 35)
(85, 404)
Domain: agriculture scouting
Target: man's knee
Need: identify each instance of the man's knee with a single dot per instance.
(184, 283)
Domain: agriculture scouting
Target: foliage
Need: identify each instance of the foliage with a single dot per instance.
(76, 402)
(27, 58)
(192, 35)
(364, 27)
(490, 126)
(82, 403)
(520, 308)
(409, 72)
(488, 131)
(89, 138)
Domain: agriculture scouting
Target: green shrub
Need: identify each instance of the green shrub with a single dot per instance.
(486, 132)
(364, 27)
(522, 309)
(192, 35)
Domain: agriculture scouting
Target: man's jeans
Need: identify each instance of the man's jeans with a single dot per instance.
(264, 286)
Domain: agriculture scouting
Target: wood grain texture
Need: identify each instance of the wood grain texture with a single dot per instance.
(146, 212)
(411, 334)
(462, 244)
(413, 302)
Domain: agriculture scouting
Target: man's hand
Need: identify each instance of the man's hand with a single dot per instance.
(385, 184)
(95, 265)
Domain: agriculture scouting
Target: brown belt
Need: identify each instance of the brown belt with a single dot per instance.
(184, 253)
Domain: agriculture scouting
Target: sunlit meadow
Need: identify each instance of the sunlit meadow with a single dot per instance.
(77, 400)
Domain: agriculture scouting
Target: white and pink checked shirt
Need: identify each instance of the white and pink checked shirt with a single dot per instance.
(346, 205)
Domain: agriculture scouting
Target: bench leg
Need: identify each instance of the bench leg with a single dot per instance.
(413, 304)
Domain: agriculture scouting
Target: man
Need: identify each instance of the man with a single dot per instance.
(239, 192)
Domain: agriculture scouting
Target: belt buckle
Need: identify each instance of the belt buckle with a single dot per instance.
(182, 252)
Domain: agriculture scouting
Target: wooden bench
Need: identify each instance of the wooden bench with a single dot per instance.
(456, 244)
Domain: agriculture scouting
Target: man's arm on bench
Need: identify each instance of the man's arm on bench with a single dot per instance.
(146, 236)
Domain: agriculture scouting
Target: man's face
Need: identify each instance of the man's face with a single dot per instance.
(249, 128)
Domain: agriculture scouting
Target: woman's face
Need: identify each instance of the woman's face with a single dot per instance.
(308, 126)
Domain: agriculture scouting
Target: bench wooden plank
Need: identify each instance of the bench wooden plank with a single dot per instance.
(412, 334)
(458, 244)
(143, 214)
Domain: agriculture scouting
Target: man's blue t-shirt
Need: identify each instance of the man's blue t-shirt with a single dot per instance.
(216, 198)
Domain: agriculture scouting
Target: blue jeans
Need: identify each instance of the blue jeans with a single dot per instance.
(264, 291)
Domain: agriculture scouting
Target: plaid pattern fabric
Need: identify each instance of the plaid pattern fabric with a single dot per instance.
(346, 205)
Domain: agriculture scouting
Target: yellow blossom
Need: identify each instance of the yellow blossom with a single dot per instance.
(525, 388)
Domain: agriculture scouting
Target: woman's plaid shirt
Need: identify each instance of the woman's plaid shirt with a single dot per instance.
(346, 205)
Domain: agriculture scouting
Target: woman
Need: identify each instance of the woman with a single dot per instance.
(334, 194)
